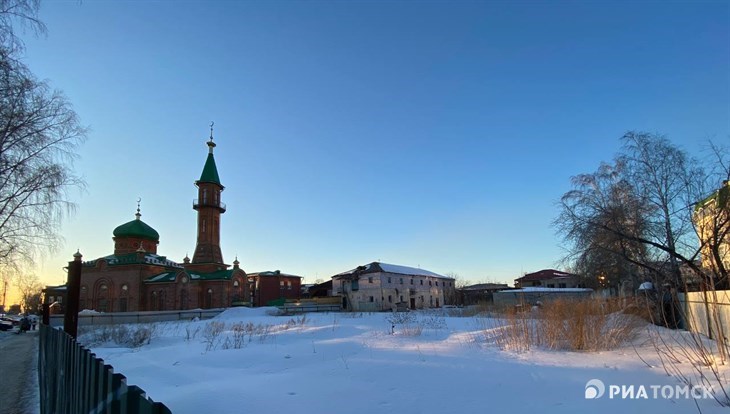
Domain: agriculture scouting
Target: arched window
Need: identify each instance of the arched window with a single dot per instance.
(123, 298)
(205, 196)
(237, 291)
(209, 299)
(153, 301)
(183, 299)
(161, 300)
(102, 298)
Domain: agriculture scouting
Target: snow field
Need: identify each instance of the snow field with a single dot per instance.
(357, 363)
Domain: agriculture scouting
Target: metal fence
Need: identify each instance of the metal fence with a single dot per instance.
(73, 381)
(707, 313)
(115, 318)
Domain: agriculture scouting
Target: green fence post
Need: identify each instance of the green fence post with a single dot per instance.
(61, 390)
(108, 390)
(99, 377)
(160, 408)
(119, 390)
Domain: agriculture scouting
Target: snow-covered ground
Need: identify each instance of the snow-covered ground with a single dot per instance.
(351, 363)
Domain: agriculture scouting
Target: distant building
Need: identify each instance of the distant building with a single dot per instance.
(381, 286)
(549, 278)
(712, 221)
(479, 293)
(55, 298)
(531, 296)
(320, 290)
(268, 287)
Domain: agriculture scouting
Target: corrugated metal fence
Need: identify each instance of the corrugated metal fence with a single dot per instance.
(707, 313)
(73, 381)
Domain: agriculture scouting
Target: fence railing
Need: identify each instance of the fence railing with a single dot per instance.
(74, 381)
(115, 318)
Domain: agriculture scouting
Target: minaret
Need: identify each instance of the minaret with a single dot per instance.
(209, 208)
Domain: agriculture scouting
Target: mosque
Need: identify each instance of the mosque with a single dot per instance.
(136, 278)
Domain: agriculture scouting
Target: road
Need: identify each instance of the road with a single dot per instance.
(19, 373)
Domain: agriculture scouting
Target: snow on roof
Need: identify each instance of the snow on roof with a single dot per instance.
(485, 286)
(158, 277)
(132, 259)
(646, 286)
(405, 270)
(273, 273)
(375, 267)
(545, 274)
(545, 289)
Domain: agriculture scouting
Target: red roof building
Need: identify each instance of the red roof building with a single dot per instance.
(549, 278)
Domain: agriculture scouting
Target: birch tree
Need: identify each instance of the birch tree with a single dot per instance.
(39, 136)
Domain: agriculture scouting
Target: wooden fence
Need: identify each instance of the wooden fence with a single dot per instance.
(73, 381)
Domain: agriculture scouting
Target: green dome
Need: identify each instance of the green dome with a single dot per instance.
(137, 228)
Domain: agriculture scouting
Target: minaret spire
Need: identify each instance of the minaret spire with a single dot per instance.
(211, 144)
(138, 215)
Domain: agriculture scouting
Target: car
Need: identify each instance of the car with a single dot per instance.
(8, 323)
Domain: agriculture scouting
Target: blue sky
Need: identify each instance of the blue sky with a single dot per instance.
(431, 134)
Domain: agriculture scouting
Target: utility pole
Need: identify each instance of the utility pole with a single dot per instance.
(5, 293)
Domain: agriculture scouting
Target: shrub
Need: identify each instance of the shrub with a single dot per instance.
(132, 336)
(406, 321)
(211, 334)
(578, 325)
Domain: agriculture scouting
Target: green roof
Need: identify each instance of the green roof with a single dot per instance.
(166, 277)
(210, 172)
(137, 228)
(219, 275)
(721, 196)
(133, 258)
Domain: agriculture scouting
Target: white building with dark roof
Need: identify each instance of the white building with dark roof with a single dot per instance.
(381, 286)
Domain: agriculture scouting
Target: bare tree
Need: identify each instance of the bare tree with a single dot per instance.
(668, 183)
(459, 282)
(23, 13)
(601, 207)
(30, 289)
(638, 212)
(39, 135)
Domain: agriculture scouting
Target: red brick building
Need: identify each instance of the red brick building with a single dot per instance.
(550, 278)
(136, 278)
(271, 286)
